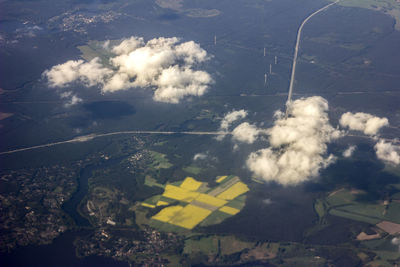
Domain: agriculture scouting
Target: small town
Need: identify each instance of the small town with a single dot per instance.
(23, 219)
(146, 251)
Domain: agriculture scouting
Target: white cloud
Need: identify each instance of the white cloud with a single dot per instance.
(162, 64)
(396, 242)
(298, 144)
(388, 152)
(29, 31)
(73, 99)
(176, 83)
(200, 156)
(349, 151)
(246, 133)
(367, 123)
(231, 117)
(89, 73)
(66, 94)
(267, 201)
(106, 45)
(227, 121)
(127, 45)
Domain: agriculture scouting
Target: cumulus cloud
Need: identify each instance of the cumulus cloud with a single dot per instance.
(127, 45)
(200, 156)
(72, 98)
(396, 241)
(371, 125)
(388, 152)
(231, 117)
(246, 133)
(364, 122)
(88, 73)
(267, 201)
(298, 144)
(162, 64)
(29, 31)
(228, 120)
(349, 151)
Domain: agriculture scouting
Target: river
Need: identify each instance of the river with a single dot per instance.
(61, 252)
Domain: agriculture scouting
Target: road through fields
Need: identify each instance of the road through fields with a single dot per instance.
(296, 51)
(92, 136)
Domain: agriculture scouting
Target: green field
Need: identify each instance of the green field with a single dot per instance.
(354, 217)
(390, 7)
(95, 49)
(238, 203)
(204, 245)
(230, 245)
(340, 197)
(319, 208)
(305, 261)
(160, 161)
(213, 245)
(376, 211)
(166, 227)
(393, 212)
(371, 4)
(344, 203)
(150, 181)
(192, 169)
(215, 218)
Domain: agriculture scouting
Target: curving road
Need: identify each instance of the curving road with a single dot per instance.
(296, 50)
(92, 136)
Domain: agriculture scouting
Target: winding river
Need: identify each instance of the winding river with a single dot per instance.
(61, 252)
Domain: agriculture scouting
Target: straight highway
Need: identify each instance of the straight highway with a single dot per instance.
(296, 51)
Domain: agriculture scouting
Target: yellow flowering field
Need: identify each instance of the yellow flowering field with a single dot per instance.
(234, 191)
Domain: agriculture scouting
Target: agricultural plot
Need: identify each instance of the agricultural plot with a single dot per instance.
(390, 7)
(187, 204)
(204, 245)
(215, 218)
(375, 211)
(151, 182)
(190, 184)
(168, 213)
(160, 161)
(229, 210)
(237, 203)
(178, 193)
(229, 247)
(214, 201)
(189, 216)
(393, 212)
(192, 169)
(220, 179)
(162, 203)
(344, 203)
(353, 216)
(234, 191)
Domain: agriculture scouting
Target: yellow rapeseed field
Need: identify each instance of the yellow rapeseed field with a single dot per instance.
(234, 191)
(229, 210)
(216, 202)
(148, 205)
(190, 184)
(166, 214)
(179, 193)
(199, 205)
(221, 179)
(161, 203)
(189, 216)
